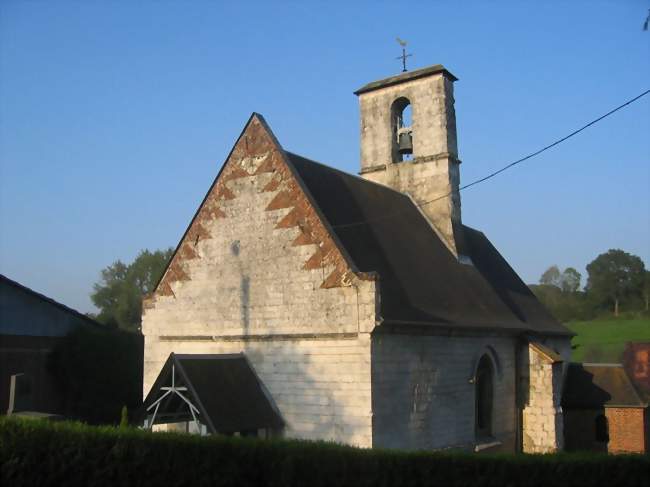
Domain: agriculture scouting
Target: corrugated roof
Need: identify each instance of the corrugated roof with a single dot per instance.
(421, 281)
(225, 389)
(590, 386)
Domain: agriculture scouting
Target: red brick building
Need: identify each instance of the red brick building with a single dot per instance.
(603, 410)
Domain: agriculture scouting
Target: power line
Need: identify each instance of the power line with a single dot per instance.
(506, 167)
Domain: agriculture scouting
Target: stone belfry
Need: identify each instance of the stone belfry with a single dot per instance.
(408, 142)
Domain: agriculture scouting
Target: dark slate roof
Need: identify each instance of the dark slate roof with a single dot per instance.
(408, 76)
(421, 281)
(225, 388)
(24, 311)
(590, 386)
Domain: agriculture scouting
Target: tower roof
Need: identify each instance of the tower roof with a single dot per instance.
(408, 76)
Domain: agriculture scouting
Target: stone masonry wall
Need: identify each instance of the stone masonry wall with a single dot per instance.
(257, 271)
(433, 116)
(542, 414)
(321, 386)
(422, 395)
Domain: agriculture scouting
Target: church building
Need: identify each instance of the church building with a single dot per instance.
(306, 302)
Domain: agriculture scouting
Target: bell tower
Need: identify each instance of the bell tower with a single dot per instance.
(408, 142)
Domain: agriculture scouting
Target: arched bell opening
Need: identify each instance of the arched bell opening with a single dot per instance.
(484, 397)
(401, 130)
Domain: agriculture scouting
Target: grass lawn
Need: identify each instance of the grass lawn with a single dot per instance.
(604, 340)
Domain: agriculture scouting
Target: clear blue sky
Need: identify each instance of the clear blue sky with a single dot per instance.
(115, 116)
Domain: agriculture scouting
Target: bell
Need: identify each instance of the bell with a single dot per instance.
(405, 143)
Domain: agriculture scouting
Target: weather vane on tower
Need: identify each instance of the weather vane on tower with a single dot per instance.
(404, 55)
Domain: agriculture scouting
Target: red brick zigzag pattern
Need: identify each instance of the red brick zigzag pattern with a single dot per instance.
(255, 143)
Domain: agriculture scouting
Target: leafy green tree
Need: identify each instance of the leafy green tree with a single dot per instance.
(119, 293)
(614, 276)
(570, 280)
(551, 277)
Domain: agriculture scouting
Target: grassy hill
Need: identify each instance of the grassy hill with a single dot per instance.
(604, 340)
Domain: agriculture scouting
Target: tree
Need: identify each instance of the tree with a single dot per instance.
(646, 290)
(98, 370)
(119, 293)
(570, 280)
(551, 277)
(615, 275)
(124, 417)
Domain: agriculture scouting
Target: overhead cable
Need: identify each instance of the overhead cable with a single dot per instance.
(506, 167)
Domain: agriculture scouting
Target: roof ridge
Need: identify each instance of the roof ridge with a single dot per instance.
(596, 364)
(208, 356)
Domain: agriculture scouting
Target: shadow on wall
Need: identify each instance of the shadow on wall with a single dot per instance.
(585, 420)
(318, 390)
(244, 289)
(425, 393)
(313, 389)
(586, 430)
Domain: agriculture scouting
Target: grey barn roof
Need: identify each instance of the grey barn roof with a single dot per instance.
(24, 311)
(225, 389)
(593, 386)
(420, 280)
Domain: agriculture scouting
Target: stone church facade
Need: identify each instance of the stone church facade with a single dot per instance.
(369, 313)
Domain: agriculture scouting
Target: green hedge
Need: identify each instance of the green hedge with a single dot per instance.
(41, 453)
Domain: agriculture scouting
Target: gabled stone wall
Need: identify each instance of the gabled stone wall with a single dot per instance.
(257, 271)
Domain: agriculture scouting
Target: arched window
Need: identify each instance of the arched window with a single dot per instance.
(602, 429)
(484, 396)
(401, 123)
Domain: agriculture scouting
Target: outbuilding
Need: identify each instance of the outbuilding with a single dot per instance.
(603, 411)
